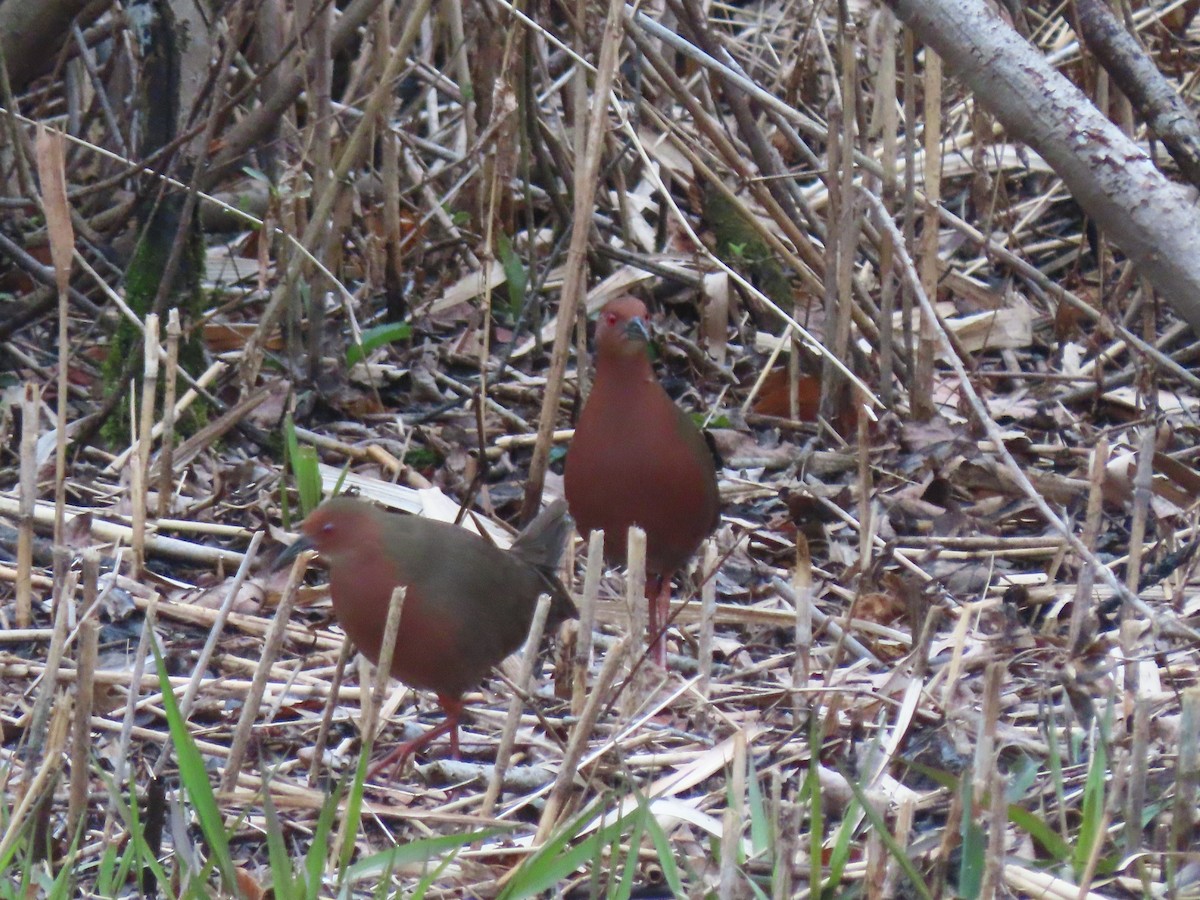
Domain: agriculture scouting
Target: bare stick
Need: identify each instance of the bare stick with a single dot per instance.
(579, 738)
(638, 605)
(586, 179)
(335, 689)
(40, 714)
(383, 670)
(1186, 769)
(180, 406)
(1081, 609)
(141, 464)
(166, 485)
(587, 619)
(241, 735)
(524, 677)
(210, 645)
(731, 829)
(131, 704)
(28, 487)
(708, 615)
(81, 746)
(802, 585)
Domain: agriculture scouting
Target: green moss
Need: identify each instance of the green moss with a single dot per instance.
(739, 246)
(142, 279)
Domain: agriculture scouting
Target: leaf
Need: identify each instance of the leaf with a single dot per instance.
(515, 275)
(52, 174)
(375, 337)
(194, 776)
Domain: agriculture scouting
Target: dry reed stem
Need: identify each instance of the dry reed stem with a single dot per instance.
(529, 655)
(708, 615)
(577, 742)
(371, 701)
(40, 784)
(587, 618)
(52, 176)
(1170, 624)
(587, 168)
(180, 406)
(87, 644)
(43, 514)
(803, 602)
(214, 636)
(167, 430)
(64, 609)
(138, 487)
(323, 208)
(274, 640)
(30, 415)
(1083, 618)
(1187, 772)
(637, 605)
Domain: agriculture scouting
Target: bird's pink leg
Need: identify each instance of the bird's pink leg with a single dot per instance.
(398, 758)
(658, 592)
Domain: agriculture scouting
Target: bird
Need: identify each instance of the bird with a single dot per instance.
(468, 604)
(638, 459)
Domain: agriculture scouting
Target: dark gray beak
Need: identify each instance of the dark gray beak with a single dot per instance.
(288, 556)
(637, 330)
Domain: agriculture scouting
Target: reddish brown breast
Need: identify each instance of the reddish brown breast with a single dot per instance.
(637, 458)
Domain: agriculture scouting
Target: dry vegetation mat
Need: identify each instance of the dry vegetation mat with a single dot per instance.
(943, 642)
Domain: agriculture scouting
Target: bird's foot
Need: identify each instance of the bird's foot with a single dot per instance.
(658, 592)
(400, 755)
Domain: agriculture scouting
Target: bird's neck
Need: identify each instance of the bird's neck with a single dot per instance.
(623, 370)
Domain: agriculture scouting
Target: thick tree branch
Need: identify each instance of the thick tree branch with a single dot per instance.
(1152, 220)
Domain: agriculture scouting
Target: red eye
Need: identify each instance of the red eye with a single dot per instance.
(610, 319)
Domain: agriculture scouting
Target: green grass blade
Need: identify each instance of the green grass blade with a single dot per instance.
(314, 860)
(630, 869)
(1092, 818)
(413, 852)
(761, 839)
(554, 861)
(1047, 837)
(354, 805)
(514, 273)
(662, 846)
(282, 878)
(974, 848)
(194, 777)
(376, 337)
(889, 840)
(305, 468)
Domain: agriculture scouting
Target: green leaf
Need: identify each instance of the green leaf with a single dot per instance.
(514, 273)
(1037, 829)
(553, 861)
(760, 817)
(1092, 819)
(974, 848)
(376, 337)
(900, 854)
(354, 803)
(662, 846)
(410, 853)
(314, 860)
(194, 777)
(306, 468)
(282, 878)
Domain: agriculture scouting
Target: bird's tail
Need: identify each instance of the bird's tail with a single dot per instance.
(541, 546)
(541, 543)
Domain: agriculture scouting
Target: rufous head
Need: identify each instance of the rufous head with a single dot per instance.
(334, 529)
(621, 329)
